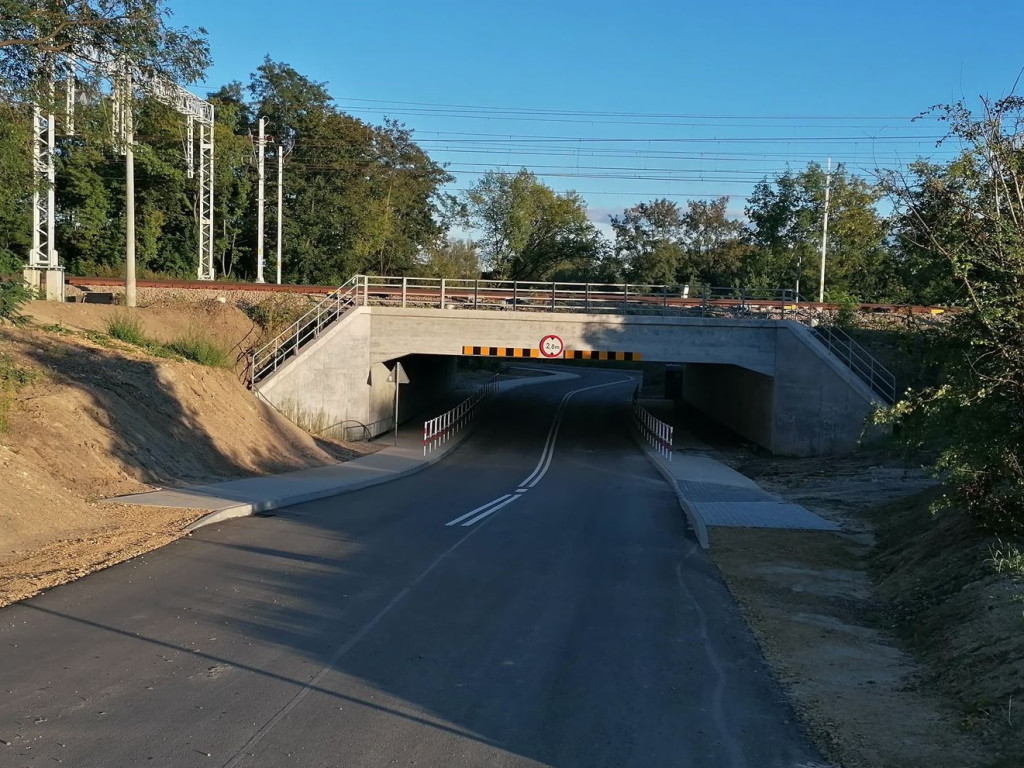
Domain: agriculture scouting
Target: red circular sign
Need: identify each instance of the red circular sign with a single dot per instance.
(552, 346)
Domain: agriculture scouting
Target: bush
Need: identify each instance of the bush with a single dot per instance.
(13, 294)
(200, 348)
(126, 327)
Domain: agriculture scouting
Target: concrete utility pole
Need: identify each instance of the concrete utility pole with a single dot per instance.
(129, 172)
(261, 149)
(824, 233)
(280, 206)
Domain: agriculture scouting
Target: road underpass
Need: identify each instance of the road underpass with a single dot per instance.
(428, 621)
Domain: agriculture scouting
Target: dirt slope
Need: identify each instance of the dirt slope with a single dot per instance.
(101, 418)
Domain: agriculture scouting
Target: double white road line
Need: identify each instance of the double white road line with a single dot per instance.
(480, 513)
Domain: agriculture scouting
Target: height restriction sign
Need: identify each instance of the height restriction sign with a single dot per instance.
(551, 346)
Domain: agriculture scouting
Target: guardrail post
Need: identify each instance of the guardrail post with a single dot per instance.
(442, 293)
(625, 298)
(553, 285)
(405, 289)
(476, 294)
(586, 299)
(366, 291)
(515, 294)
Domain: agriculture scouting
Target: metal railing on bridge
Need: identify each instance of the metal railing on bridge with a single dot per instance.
(859, 360)
(269, 357)
(587, 298)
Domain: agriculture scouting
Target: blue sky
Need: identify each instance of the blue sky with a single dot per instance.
(741, 88)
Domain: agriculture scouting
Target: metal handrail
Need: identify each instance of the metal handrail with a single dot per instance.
(881, 380)
(309, 326)
(442, 428)
(589, 298)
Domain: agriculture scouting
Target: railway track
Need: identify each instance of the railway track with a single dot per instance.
(525, 297)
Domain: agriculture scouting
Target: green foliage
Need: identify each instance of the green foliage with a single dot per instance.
(15, 188)
(274, 314)
(1007, 559)
(970, 215)
(659, 243)
(13, 295)
(201, 348)
(126, 327)
(786, 217)
(453, 259)
(531, 232)
(847, 316)
(358, 197)
(32, 31)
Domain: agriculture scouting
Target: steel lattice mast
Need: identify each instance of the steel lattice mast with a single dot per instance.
(125, 81)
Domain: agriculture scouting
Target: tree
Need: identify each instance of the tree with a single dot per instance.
(15, 188)
(918, 276)
(452, 259)
(648, 241)
(233, 180)
(714, 245)
(969, 214)
(358, 198)
(36, 35)
(531, 232)
(786, 217)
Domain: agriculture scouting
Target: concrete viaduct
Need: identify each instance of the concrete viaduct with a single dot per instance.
(771, 380)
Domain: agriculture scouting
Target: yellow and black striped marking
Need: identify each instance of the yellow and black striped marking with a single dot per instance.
(501, 352)
(593, 354)
(569, 354)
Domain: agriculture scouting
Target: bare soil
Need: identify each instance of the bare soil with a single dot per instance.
(881, 648)
(101, 418)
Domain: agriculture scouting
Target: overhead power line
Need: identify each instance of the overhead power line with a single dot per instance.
(656, 115)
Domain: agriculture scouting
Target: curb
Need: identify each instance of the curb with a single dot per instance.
(252, 508)
(266, 505)
(693, 518)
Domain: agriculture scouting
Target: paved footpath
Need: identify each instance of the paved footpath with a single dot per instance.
(714, 494)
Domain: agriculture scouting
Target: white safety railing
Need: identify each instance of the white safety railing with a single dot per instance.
(859, 360)
(652, 430)
(286, 344)
(441, 429)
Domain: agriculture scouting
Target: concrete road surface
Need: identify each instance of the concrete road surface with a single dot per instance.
(532, 600)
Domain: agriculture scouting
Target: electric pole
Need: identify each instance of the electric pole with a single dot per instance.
(280, 206)
(129, 171)
(261, 159)
(824, 233)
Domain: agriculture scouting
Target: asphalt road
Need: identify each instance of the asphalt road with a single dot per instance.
(570, 620)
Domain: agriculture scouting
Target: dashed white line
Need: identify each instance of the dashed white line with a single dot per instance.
(539, 471)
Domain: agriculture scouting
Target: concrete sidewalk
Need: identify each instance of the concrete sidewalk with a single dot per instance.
(251, 495)
(714, 494)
